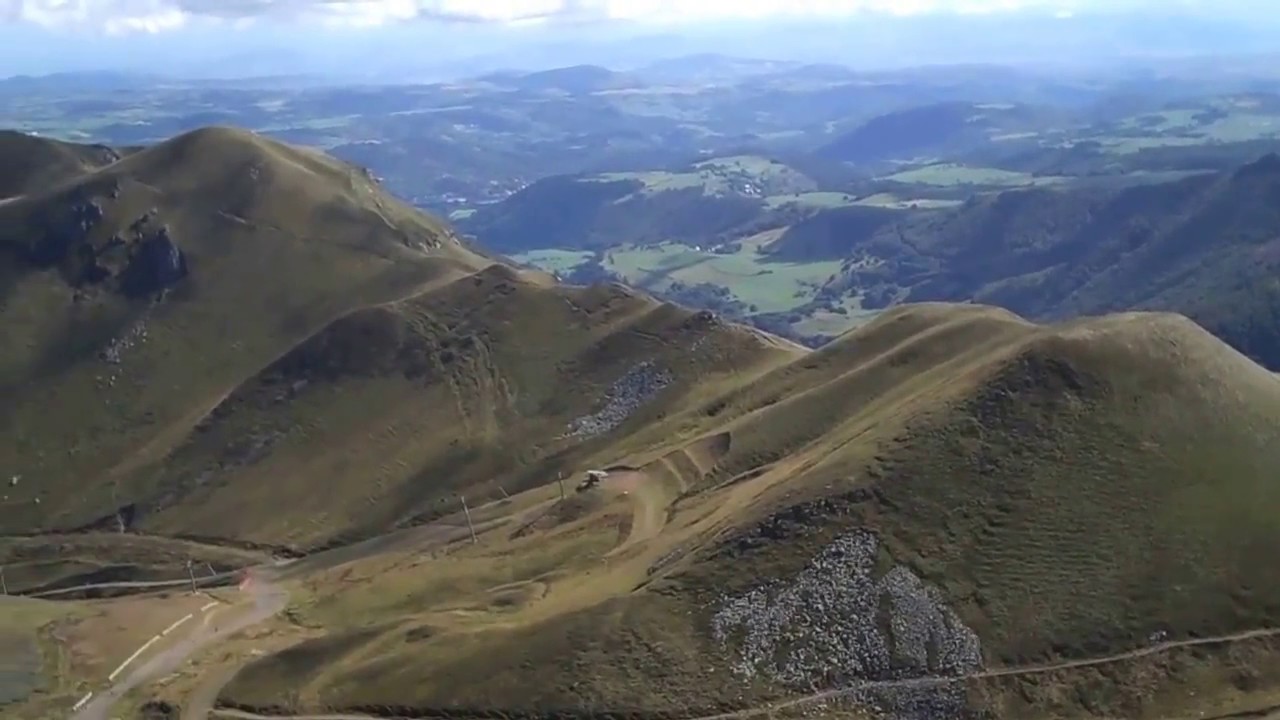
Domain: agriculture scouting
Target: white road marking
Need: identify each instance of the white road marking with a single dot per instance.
(205, 608)
(131, 658)
(81, 702)
(174, 626)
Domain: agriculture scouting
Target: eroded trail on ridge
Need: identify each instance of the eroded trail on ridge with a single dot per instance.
(836, 693)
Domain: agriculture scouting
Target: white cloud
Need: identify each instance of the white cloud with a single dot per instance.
(159, 15)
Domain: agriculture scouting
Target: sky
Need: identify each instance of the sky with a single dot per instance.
(160, 15)
(123, 16)
(444, 37)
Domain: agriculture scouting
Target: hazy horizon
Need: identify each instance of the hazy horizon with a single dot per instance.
(418, 40)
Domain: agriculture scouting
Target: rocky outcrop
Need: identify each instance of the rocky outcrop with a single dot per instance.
(628, 394)
(64, 236)
(837, 624)
(156, 265)
(139, 260)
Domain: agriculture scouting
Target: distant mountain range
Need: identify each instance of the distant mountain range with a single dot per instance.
(865, 42)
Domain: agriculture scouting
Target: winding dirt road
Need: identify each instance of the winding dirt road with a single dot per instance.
(267, 601)
(837, 693)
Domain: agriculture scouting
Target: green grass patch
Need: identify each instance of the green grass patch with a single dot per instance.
(748, 175)
(826, 200)
(835, 322)
(656, 181)
(810, 200)
(1239, 127)
(1167, 121)
(749, 276)
(29, 663)
(1125, 145)
(751, 164)
(553, 259)
(949, 174)
(896, 202)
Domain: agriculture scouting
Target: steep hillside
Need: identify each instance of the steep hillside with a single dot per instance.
(948, 513)
(135, 297)
(487, 385)
(34, 163)
(1204, 246)
(216, 327)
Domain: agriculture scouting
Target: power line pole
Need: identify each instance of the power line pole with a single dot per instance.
(191, 574)
(467, 512)
(4, 586)
(116, 504)
(560, 480)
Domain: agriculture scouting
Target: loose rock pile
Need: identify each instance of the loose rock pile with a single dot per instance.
(635, 388)
(113, 353)
(822, 628)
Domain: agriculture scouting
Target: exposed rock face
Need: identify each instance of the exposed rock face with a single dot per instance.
(156, 265)
(837, 625)
(86, 214)
(62, 237)
(142, 261)
(637, 387)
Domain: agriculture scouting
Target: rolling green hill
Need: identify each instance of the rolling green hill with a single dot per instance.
(704, 203)
(1203, 246)
(937, 129)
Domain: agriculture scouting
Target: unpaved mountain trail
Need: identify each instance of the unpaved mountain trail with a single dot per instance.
(268, 600)
(836, 693)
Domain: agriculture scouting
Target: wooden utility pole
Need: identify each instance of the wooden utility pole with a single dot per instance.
(560, 479)
(191, 574)
(467, 512)
(4, 586)
(116, 504)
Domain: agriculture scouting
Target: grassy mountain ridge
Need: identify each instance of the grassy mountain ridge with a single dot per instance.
(1042, 489)
(311, 327)
(946, 491)
(138, 295)
(486, 381)
(37, 162)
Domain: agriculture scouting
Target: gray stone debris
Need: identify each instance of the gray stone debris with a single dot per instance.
(137, 333)
(638, 386)
(114, 353)
(824, 629)
(928, 700)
